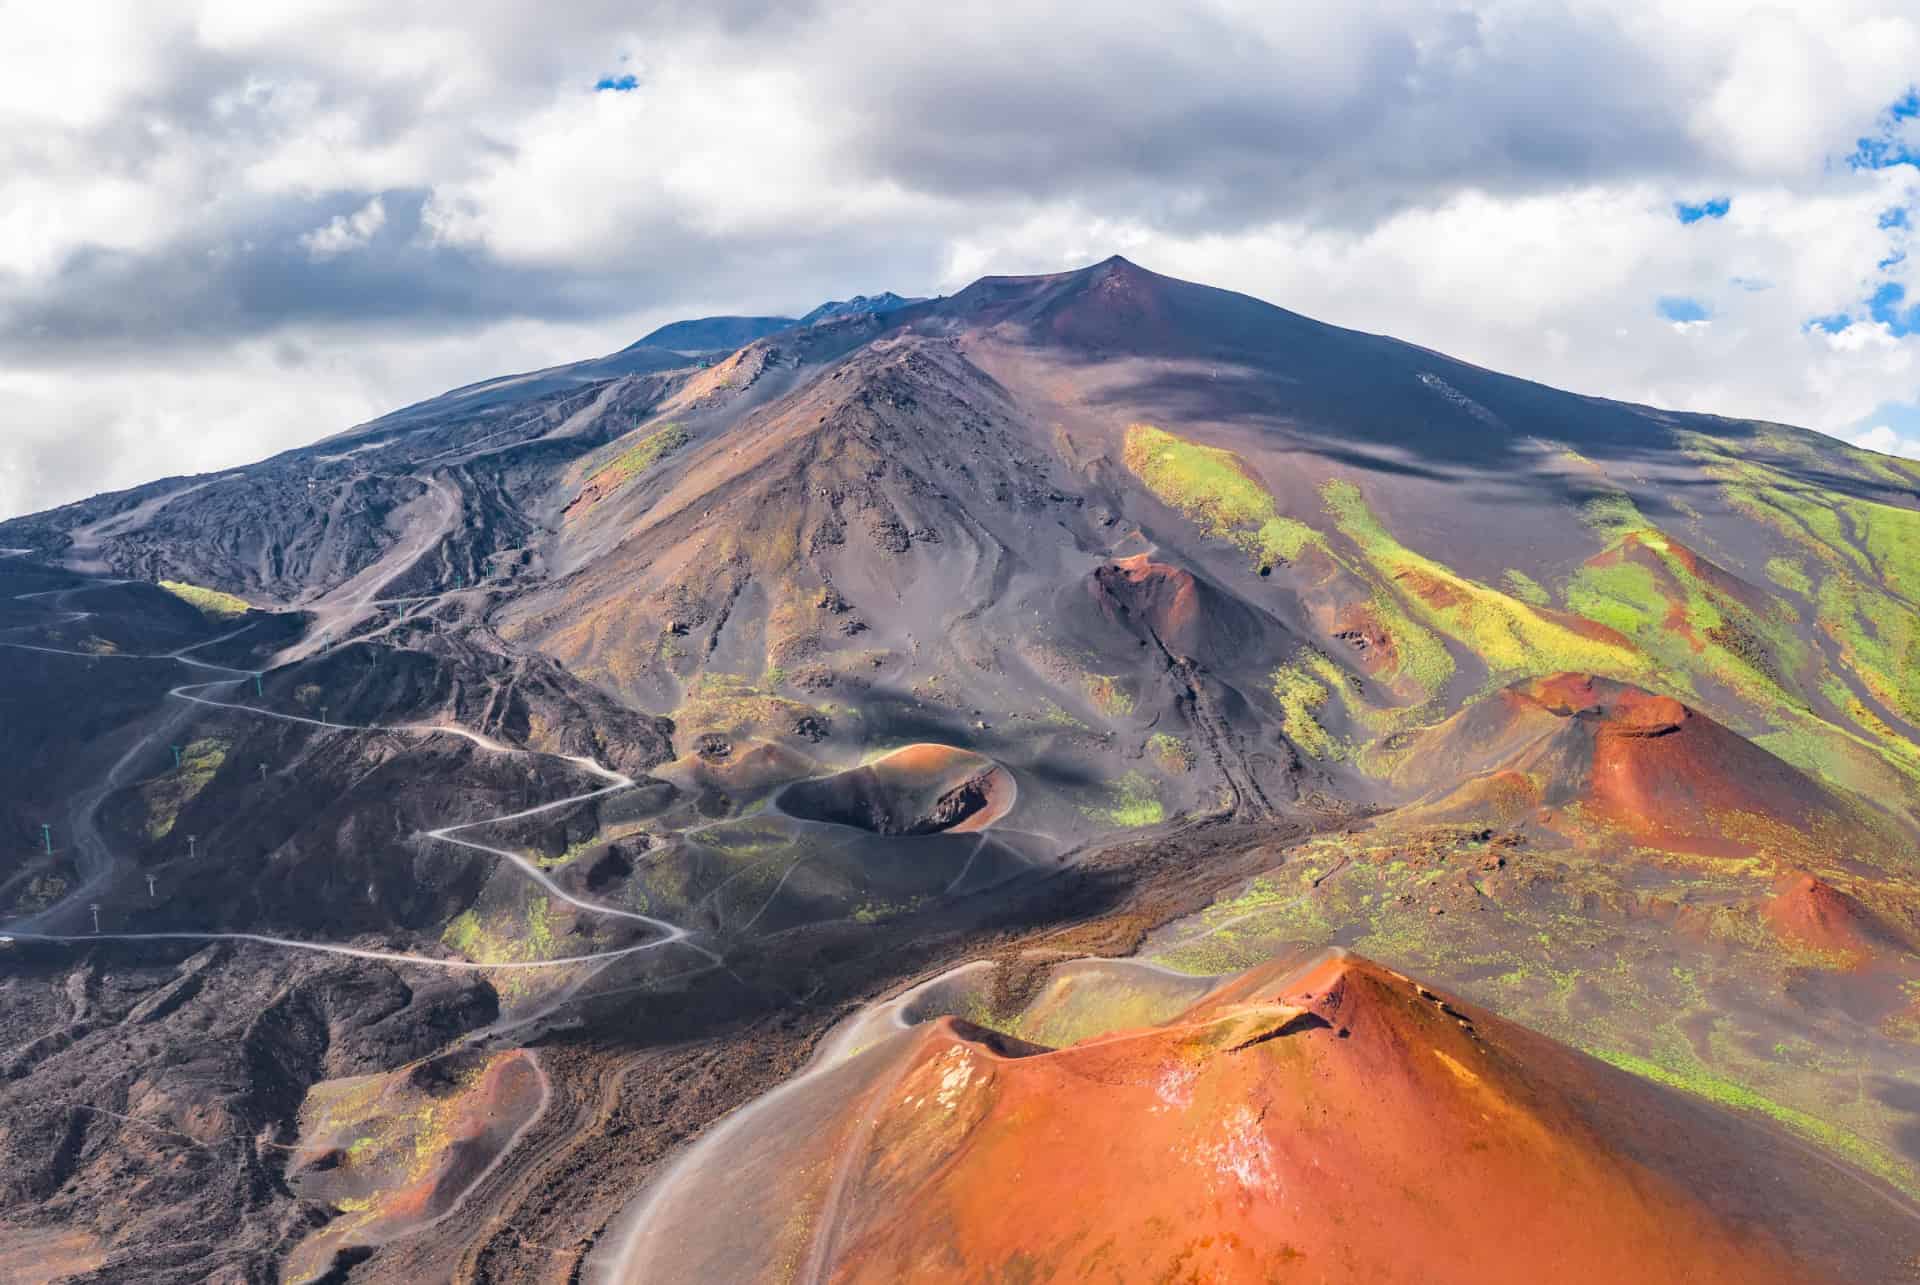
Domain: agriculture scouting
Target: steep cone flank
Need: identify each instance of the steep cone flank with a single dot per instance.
(1643, 763)
(1168, 604)
(1235, 597)
(1329, 1122)
(1343, 1123)
(1809, 911)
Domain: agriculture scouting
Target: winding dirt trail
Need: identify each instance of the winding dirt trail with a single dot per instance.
(338, 610)
(93, 846)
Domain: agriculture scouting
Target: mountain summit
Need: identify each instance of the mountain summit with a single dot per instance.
(479, 803)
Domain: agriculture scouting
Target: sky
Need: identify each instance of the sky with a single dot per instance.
(229, 227)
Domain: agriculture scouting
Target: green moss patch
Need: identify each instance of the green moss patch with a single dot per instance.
(1131, 803)
(1217, 492)
(1515, 639)
(167, 794)
(211, 603)
(1303, 687)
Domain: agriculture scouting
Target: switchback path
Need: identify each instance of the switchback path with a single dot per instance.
(670, 934)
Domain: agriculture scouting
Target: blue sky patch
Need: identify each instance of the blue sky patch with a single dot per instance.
(1831, 324)
(1894, 218)
(1715, 208)
(1680, 308)
(618, 84)
(1902, 417)
(1889, 306)
(1887, 148)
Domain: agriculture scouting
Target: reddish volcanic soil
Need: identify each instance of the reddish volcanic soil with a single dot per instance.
(1340, 1123)
(1187, 616)
(1663, 774)
(1811, 912)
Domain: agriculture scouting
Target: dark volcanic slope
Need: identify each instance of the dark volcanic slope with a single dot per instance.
(686, 693)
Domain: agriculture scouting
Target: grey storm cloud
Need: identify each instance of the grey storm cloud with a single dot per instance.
(1197, 120)
(1216, 125)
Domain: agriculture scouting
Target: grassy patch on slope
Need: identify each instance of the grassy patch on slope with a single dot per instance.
(167, 794)
(1214, 489)
(1514, 638)
(210, 602)
(1131, 803)
(636, 459)
(1303, 686)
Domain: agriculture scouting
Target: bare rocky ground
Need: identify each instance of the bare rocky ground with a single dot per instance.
(494, 749)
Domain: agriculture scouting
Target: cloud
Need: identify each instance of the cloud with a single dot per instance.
(345, 232)
(204, 187)
(1882, 438)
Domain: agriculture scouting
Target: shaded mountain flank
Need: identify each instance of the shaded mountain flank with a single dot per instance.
(480, 803)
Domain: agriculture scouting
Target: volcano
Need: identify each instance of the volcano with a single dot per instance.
(598, 736)
(1332, 1119)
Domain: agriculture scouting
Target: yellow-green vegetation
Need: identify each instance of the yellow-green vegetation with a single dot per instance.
(1083, 1004)
(1173, 752)
(1513, 638)
(503, 940)
(1238, 931)
(573, 853)
(1214, 489)
(1524, 587)
(636, 459)
(1689, 1076)
(211, 603)
(1665, 619)
(1621, 595)
(736, 705)
(1052, 715)
(874, 911)
(1789, 574)
(1303, 686)
(1131, 802)
(1612, 514)
(398, 1134)
(1105, 691)
(1859, 563)
(168, 793)
(1571, 946)
(1652, 590)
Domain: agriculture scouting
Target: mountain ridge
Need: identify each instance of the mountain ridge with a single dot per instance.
(678, 705)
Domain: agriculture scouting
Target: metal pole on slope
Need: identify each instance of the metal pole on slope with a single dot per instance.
(46, 837)
(176, 756)
(150, 891)
(190, 852)
(95, 908)
(257, 693)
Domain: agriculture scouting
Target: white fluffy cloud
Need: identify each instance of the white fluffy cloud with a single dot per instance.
(346, 232)
(227, 227)
(1882, 438)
